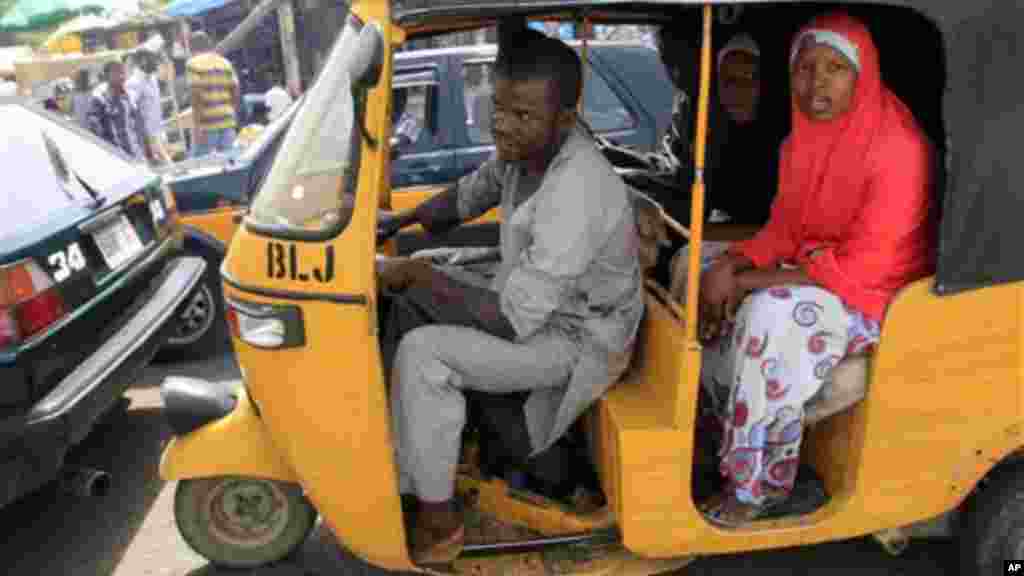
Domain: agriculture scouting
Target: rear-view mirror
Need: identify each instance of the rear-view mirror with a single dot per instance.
(368, 60)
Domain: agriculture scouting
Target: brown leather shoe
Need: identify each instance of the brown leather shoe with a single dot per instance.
(429, 547)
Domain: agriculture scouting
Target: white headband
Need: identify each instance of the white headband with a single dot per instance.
(830, 39)
(739, 43)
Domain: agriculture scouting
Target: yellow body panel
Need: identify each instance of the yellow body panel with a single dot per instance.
(219, 223)
(236, 445)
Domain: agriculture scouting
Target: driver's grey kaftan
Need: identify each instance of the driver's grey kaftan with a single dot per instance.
(569, 283)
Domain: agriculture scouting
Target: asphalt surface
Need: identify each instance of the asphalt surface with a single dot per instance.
(131, 531)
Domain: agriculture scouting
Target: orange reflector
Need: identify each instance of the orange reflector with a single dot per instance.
(19, 284)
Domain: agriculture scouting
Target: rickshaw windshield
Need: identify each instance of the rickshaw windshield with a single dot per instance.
(311, 185)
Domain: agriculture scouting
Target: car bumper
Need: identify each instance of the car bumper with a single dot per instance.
(34, 444)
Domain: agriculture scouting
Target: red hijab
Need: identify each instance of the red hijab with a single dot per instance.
(854, 191)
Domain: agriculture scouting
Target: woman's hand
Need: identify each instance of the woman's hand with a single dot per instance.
(718, 289)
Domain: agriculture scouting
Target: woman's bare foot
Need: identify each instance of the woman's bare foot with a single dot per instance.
(725, 509)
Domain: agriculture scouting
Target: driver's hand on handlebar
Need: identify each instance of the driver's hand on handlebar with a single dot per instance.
(390, 223)
(396, 274)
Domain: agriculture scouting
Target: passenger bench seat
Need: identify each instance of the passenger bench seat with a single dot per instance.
(847, 385)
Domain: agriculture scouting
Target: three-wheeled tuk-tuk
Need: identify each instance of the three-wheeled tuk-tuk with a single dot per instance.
(921, 438)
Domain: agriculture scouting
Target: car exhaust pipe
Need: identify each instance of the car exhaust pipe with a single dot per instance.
(85, 482)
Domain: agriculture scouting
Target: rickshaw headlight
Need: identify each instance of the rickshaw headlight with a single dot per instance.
(266, 325)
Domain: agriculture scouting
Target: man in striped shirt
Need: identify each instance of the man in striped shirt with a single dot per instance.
(215, 98)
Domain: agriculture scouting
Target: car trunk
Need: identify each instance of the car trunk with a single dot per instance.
(81, 232)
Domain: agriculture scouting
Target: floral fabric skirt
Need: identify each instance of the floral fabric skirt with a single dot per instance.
(778, 354)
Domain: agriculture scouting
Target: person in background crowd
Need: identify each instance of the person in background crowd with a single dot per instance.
(215, 98)
(113, 115)
(144, 88)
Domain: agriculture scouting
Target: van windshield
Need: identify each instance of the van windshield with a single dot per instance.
(311, 184)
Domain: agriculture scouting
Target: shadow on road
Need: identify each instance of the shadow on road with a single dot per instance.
(862, 557)
(320, 555)
(51, 532)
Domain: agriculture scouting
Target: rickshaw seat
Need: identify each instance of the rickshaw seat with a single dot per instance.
(847, 385)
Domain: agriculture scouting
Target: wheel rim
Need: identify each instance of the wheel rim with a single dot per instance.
(196, 319)
(247, 513)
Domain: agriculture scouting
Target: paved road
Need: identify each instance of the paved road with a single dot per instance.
(131, 531)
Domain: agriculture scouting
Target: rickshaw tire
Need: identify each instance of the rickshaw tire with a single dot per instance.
(992, 529)
(215, 339)
(192, 512)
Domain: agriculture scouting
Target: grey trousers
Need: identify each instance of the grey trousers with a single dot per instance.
(432, 365)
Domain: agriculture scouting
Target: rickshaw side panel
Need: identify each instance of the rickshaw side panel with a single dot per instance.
(236, 445)
(643, 458)
(946, 397)
(943, 407)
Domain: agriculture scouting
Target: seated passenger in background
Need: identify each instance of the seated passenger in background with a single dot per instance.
(743, 164)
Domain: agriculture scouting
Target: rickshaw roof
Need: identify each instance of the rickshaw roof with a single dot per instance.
(982, 186)
(414, 12)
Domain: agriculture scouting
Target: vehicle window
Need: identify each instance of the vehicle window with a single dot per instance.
(603, 110)
(312, 181)
(478, 79)
(414, 112)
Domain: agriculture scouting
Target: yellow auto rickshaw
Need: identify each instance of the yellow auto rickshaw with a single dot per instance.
(922, 438)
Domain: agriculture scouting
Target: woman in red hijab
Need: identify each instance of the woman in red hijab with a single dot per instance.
(851, 224)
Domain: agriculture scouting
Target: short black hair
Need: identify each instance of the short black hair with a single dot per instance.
(201, 41)
(526, 54)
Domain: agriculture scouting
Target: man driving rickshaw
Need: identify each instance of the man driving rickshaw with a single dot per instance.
(559, 318)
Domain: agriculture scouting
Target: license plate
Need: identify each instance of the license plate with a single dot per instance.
(118, 242)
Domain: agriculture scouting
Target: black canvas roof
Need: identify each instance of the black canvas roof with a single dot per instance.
(982, 112)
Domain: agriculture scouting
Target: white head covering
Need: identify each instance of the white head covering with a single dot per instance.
(828, 38)
(738, 43)
(277, 100)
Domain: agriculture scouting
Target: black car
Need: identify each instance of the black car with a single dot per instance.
(92, 279)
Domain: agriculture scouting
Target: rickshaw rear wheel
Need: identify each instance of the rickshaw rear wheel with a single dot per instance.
(239, 522)
(993, 524)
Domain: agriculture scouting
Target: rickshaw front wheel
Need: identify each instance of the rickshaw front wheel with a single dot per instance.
(993, 524)
(239, 522)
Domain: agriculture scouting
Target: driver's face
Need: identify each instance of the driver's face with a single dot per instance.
(525, 118)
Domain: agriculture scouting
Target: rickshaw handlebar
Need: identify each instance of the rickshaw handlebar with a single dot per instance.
(390, 223)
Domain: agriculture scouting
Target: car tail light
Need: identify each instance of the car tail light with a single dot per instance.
(29, 302)
(266, 325)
